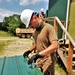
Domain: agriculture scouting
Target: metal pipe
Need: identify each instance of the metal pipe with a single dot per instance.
(67, 15)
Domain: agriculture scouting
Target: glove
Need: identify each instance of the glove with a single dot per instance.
(26, 53)
(34, 58)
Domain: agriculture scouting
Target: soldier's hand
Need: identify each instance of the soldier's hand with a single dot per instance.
(26, 53)
(34, 58)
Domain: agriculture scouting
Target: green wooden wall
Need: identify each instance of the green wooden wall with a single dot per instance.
(57, 8)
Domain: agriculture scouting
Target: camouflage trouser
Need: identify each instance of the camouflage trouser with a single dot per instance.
(47, 65)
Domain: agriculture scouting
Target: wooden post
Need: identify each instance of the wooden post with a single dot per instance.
(56, 26)
(70, 56)
(63, 33)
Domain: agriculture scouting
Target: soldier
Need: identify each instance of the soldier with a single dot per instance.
(46, 42)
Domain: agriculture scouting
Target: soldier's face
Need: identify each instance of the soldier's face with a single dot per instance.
(34, 22)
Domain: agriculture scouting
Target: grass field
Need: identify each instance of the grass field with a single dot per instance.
(4, 34)
(4, 43)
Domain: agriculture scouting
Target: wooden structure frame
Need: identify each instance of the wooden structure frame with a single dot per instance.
(66, 60)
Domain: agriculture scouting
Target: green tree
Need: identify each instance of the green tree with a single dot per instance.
(0, 25)
(5, 23)
(14, 23)
(11, 23)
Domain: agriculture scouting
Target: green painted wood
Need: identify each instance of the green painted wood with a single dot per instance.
(22, 65)
(57, 8)
(27, 69)
(2, 62)
(17, 65)
(10, 67)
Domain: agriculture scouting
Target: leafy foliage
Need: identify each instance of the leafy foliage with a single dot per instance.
(0, 25)
(11, 23)
(5, 23)
(4, 34)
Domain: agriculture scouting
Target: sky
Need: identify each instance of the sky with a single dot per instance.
(10, 7)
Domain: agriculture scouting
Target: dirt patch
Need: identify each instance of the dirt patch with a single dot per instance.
(17, 47)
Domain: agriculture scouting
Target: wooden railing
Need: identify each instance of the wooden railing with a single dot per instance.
(57, 23)
(71, 43)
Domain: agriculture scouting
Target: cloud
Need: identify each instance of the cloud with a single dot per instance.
(5, 1)
(1, 19)
(8, 0)
(4, 12)
(27, 2)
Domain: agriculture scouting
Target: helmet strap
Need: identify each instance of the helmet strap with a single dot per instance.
(40, 26)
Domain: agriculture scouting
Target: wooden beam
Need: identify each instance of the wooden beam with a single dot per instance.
(64, 29)
(56, 26)
(63, 58)
(70, 57)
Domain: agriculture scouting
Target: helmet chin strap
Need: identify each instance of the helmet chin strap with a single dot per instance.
(40, 26)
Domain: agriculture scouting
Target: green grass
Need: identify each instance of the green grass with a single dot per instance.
(60, 70)
(4, 34)
(4, 43)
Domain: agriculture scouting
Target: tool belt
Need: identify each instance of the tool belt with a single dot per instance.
(44, 63)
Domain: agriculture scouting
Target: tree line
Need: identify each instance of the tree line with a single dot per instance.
(10, 24)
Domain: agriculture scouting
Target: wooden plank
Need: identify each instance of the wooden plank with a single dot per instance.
(70, 57)
(73, 55)
(73, 63)
(10, 67)
(22, 64)
(56, 26)
(2, 62)
(64, 29)
(63, 58)
(17, 65)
